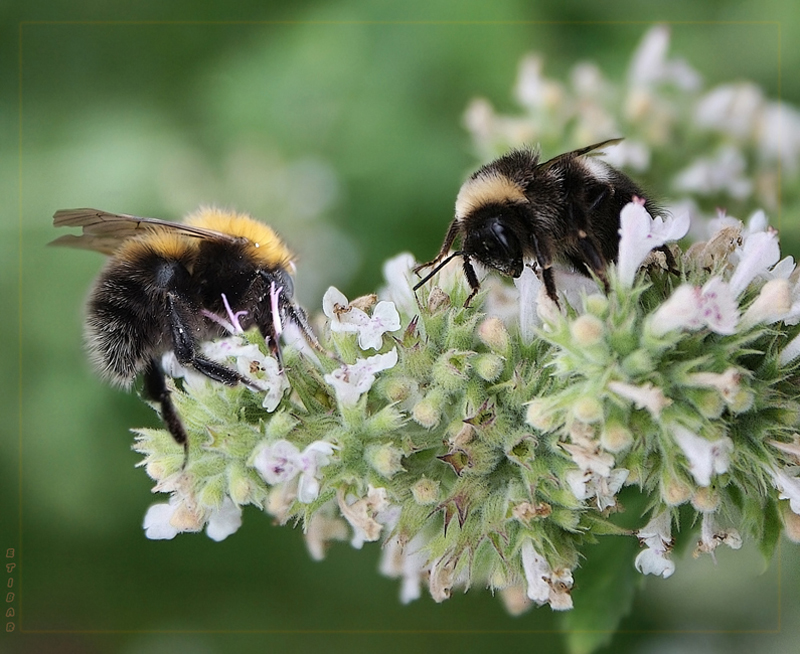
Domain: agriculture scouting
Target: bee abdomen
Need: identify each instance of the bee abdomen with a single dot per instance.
(126, 322)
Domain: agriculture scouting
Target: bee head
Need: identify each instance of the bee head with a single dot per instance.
(493, 241)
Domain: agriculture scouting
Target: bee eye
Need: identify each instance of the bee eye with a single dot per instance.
(501, 235)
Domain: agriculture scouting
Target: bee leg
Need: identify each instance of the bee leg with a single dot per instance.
(185, 348)
(155, 387)
(452, 232)
(545, 262)
(592, 258)
(550, 284)
(472, 279)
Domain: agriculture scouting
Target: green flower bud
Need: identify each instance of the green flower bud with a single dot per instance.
(615, 437)
(588, 409)
(488, 366)
(638, 363)
(675, 491)
(597, 305)
(384, 459)
(450, 370)
(539, 415)
(494, 335)
(425, 491)
(428, 411)
(587, 330)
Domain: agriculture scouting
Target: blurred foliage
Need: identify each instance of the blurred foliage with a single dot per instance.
(156, 118)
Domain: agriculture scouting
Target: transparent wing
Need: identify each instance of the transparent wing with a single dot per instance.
(579, 153)
(103, 231)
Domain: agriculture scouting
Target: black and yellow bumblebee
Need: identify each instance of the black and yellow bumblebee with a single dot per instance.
(517, 209)
(164, 284)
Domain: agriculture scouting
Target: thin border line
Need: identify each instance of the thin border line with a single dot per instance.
(19, 594)
(22, 24)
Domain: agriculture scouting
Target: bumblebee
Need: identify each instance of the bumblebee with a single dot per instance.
(164, 287)
(516, 210)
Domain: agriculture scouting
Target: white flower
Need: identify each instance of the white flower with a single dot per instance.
(533, 90)
(224, 521)
(705, 457)
(774, 302)
(366, 515)
(651, 66)
(409, 561)
(726, 172)
(165, 521)
(528, 284)
(587, 484)
(759, 252)
(350, 382)
(537, 571)
(778, 133)
(689, 307)
(791, 351)
(640, 233)
(731, 108)
(788, 485)
(645, 396)
(588, 456)
(385, 318)
(254, 365)
(157, 525)
(679, 311)
(310, 461)
(631, 154)
(717, 307)
(399, 276)
(347, 318)
(263, 371)
(544, 584)
(726, 383)
(278, 462)
(656, 536)
(654, 562)
(281, 461)
(711, 537)
(343, 317)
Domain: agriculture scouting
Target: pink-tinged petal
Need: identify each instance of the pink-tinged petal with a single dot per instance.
(351, 381)
(718, 308)
(278, 462)
(385, 318)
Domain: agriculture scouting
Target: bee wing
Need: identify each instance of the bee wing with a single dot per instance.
(579, 153)
(103, 231)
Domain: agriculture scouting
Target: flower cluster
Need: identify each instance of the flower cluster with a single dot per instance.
(491, 446)
(484, 458)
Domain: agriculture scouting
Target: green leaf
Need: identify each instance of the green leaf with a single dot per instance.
(603, 594)
(771, 531)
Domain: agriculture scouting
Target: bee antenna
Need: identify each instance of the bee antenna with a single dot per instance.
(438, 267)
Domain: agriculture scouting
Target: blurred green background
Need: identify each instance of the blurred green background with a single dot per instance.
(347, 137)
